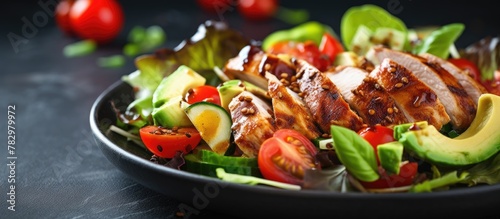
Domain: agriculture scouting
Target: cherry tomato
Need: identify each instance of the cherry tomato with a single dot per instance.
(99, 20)
(330, 46)
(468, 66)
(258, 10)
(376, 135)
(216, 6)
(406, 175)
(62, 16)
(203, 93)
(307, 50)
(492, 86)
(285, 156)
(165, 142)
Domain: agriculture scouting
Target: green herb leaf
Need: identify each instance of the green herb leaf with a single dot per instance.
(369, 15)
(80, 48)
(485, 172)
(438, 42)
(114, 61)
(357, 155)
(311, 30)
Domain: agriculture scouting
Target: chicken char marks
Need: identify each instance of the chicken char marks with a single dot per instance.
(252, 122)
(367, 97)
(459, 106)
(417, 101)
(289, 109)
(324, 100)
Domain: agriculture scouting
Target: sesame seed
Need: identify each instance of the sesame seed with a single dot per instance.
(284, 75)
(390, 110)
(398, 85)
(371, 112)
(404, 80)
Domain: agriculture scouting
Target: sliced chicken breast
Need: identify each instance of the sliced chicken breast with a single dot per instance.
(290, 111)
(414, 98)
(252, 63)
(473, 88)
(365, 95)
(324, 100)
(253, 122)
(458, 104)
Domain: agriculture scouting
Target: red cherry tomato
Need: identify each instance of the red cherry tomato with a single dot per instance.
(376, 135)
(468, 66)
(62, 16)
(216, 6)
(258, 10)
(99, 20)
(165, 142)
(285, 156)
(492, 86)
(203, 93)
(330, 46)
(406, 175)
(307, 50)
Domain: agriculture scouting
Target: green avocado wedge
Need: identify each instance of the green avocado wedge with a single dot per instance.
(478, 143)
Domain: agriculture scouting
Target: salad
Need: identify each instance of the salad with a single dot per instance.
(379, 108)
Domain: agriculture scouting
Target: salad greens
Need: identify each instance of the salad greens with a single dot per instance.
(214, 43)
(355, 153)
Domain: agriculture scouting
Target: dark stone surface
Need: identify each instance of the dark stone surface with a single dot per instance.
(60, 171)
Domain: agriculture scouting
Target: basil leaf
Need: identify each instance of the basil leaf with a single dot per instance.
(357, 155)
(438, 42)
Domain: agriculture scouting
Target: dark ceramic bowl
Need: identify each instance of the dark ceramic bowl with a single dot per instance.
(199, 192)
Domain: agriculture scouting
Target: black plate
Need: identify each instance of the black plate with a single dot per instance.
(201, 192)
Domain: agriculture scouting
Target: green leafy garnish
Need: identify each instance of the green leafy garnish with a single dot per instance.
(370, 16)
(357, 155)
(439, 41)
(311, 30)
(487, 172)
(252, 180)
(113, 61)
(80, 48)
(446, 180)
(144, 39)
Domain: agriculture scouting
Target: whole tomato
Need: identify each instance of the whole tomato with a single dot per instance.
(98, 20)
(258, 10)
(62, 16)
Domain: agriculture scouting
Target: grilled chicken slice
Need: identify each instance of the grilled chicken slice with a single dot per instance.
(473, 88)
(289, 109)
(414, 98)
(252, 63)
(458, 104)
(365, 95)
(252, 122)
(324, 100)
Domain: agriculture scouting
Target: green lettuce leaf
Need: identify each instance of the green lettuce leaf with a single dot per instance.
(487, 172)
(438, 42)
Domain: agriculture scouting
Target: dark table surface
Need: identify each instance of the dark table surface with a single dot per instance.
(59, 171)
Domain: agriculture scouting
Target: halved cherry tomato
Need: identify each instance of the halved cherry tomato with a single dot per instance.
(307, 50)
(376, 135)
(468, 66)
(258, 10)
(165, 142)
(216, 6)
(98, 20)
(62, 16)
(330, 46)
(285, 156)
(406, 175)
(203, 93)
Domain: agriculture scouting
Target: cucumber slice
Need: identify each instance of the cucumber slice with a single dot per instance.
(205, 162)
(324, 143)
(214, 124)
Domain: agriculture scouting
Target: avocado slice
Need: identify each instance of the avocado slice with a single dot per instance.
(478, 143)
(390, 155)
(177, 83)
(232, 88)
(171, 114)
